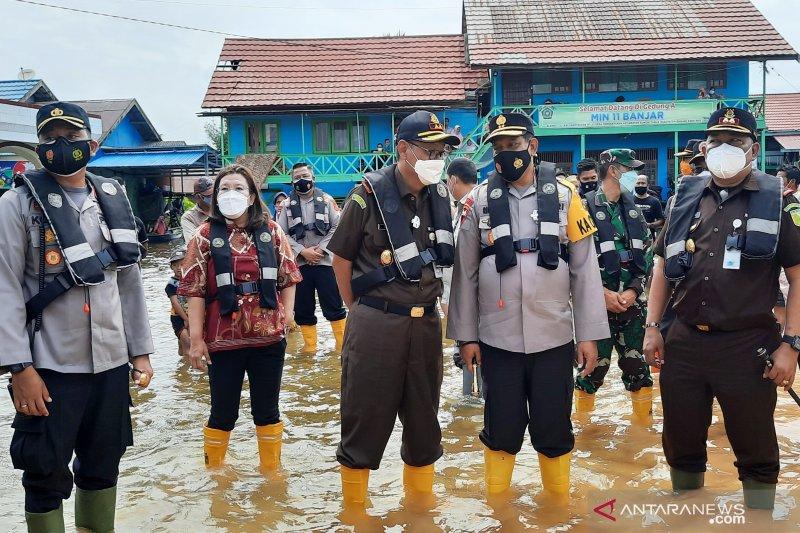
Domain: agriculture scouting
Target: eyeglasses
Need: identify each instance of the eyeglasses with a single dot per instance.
(435, 154)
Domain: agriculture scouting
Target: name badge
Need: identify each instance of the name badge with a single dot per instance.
(732, 259)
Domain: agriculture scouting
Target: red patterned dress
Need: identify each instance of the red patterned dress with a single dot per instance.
(251, 326)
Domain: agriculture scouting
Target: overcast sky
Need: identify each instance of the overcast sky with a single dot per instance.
(82, 56)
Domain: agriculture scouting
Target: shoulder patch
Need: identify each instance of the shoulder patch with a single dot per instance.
(359, 200)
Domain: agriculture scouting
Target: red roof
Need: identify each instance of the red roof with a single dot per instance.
(552, 32)
(783, 112)
(350, 72)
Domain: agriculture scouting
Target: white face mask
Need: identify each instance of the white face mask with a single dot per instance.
(233, 204)
(429, 171)
(725, 161)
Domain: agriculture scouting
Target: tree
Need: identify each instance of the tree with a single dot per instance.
(213, 133)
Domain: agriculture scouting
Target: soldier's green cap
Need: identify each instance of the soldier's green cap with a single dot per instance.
(623, 156)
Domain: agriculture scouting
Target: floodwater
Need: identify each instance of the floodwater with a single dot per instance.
(164, 485)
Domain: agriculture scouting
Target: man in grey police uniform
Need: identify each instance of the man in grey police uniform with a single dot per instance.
(69, 360)
(510, 307)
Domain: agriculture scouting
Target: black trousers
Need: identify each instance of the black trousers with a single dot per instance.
(317, 280)
(264, 367)
(90, 416)
(532, 391)
(392, 367)
(700, 366)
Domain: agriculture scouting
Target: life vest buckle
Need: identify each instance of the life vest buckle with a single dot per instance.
(417, 312)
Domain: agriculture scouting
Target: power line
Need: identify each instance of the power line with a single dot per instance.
(300, 8)
(792, 85)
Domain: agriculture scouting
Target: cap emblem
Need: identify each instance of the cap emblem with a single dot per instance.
(57, 112)
(501, 121)
(729, 118)
(434, 124)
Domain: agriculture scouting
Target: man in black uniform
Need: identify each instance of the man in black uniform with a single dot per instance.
(649, 205)
(726, 239)
(393, 239)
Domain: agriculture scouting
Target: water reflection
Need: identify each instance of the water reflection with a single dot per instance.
(165, 487)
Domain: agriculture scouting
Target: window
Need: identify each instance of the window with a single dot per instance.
(261, 137)
(562, 160)
(271, 137)
(517, 88)
(552, 82)
(699, 76)
(341, 136)
(629, 79)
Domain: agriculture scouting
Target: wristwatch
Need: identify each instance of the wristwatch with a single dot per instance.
(16, 368)
(652, 325)
(464, 343)
(793, 341)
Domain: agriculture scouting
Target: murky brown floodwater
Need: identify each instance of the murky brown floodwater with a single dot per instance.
(164, 485)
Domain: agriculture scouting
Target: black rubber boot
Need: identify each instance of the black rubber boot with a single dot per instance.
(682, 480)
(758, 495)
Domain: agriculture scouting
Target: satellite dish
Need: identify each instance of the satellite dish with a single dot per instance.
(26, 74)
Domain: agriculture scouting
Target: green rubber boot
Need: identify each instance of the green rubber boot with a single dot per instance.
(49, 522)
(758, 495)
(95, 509)
(682, 480)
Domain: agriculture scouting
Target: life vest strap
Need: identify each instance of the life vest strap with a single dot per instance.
(524, 246)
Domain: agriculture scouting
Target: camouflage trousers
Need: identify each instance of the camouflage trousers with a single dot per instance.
(627, 336)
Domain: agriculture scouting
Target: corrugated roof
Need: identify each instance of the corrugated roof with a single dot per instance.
(550, 32)
(113, 111)
(789, 142)
(342, 72)
(783, 112)
(147, 159)
(25, 90)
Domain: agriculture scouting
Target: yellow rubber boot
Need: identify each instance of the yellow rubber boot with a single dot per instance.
(499, 467)
(309, 338)
(418, 478)
(215, 445)
(354, 486)
(269, 446)
(338, 332)
(642, 400)
(555, 473)
(584, 402)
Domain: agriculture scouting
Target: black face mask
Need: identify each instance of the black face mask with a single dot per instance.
(641, 191)
(588, 186)
(64, 157)
(511, 165)
(303, 185)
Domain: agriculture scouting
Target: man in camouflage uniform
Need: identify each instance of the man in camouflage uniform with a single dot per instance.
(623, 249)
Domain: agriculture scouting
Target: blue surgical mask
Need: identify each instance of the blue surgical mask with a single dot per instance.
(628, 179)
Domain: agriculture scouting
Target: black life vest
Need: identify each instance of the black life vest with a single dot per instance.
(227, 289)
(548, 243)
(86, 266)
(408, 259)
(762, 225)
(604, 240)
(321, 222)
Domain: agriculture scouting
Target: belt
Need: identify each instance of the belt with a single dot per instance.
(703, 327)
(415, 311)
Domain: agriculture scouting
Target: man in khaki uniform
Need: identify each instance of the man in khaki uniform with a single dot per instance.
(524, 253)
(393, 240)
(309, 218)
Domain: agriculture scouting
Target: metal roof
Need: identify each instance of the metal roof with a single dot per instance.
(114, 111)
(783, 112)
(162, 159)
(559, 32)
(24, 90)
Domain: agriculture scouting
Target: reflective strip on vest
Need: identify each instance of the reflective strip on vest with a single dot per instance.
(78, 252)
(549, 228)
(223, 279)
(607, 246)
(444, 237)
(674, 249)
(407, 252)
(320, 216)
(269, 273)
(124, 235)
(637, 243)
(503, 230)
(764, 226)
(296, 221)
